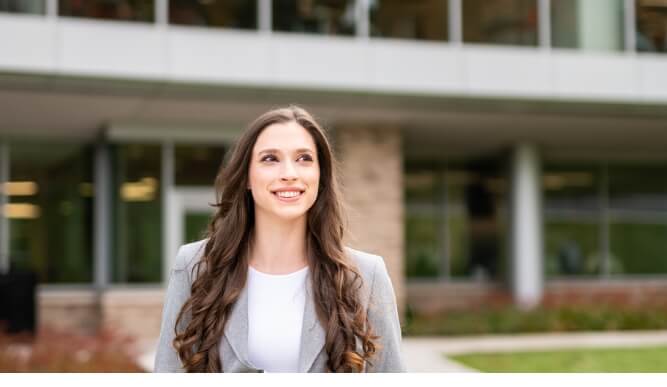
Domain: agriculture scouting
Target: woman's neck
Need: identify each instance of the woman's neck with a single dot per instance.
(278, 247)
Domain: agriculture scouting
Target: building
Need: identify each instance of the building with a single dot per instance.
(488, 148)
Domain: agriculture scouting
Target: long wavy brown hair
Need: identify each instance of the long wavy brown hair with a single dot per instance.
(221, 273)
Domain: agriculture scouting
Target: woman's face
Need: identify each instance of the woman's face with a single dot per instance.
(284, 171)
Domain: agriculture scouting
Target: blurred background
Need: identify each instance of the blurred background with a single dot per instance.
(507, 158)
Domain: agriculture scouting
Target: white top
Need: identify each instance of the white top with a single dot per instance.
(275, 317)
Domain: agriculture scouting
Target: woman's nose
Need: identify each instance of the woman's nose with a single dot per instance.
(288, 171)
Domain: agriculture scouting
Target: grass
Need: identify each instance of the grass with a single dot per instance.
(645, 359)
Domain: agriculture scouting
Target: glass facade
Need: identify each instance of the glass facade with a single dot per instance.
(500, 22)
(455, 221)
(328, 17)
(197, 165)
(126, 10)
(638, 219)
(50, 210)
(651, 18)
(574, 24)
(572, 220)
(587, 24)
(421, 19)
(137, 197)
(241, 14)
(23, 6)
(605, 219)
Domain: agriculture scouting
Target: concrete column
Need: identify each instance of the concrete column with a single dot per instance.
(4, 221)
(102, 217)
(372, 176)
(526, 234)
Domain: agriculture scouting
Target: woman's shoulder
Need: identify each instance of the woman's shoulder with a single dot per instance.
(189, 254)
(367, 263)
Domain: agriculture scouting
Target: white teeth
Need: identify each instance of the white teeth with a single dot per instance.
(288, 194)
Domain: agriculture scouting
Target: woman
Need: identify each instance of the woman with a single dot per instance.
(272, 288)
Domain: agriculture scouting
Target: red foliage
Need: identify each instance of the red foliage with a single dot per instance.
(58, 351)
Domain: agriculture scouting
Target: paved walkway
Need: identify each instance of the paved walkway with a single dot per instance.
(428, 354)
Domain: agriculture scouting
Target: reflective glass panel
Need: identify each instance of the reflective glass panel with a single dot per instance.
(587, 24)
(137, 214)
(23, 6)
(572, 216)
(651, 25)
(419, 19)
(197, 165)
(424, 223)
(500, 22)
(50, 210)
(127, 10)
(328, 17)
(215, 13)
(638, 212)
(454, 221)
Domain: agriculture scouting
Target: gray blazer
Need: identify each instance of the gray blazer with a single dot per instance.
(377, 296)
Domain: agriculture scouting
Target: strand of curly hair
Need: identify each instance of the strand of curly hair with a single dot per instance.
(221, 274)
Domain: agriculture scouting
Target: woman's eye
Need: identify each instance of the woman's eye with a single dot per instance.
(269, 158)
(305, 158)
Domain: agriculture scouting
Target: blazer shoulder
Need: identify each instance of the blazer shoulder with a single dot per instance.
(189, 254)
(367, 263)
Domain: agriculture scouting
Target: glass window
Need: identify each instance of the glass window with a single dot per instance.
(128, 10)
(23, 6)
(424, 224)
(587, 24)
(328, 17)
(420, 19)
(454, 221)
(50, 211)
(500, 22)
(137, 213)
(572, 229)
(651, 25)
(197, 165)
(215, 13)
(638, 225)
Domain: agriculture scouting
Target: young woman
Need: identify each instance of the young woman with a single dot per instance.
(273, 288)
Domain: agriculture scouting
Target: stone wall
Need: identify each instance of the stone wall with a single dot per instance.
(371, 172)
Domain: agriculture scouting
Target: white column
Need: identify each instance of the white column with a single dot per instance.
(169, 226)
(600, 24)
(4, 221)
(162, 12)
(265, 16)
(362, 15)
(526, 234)
(455, 21)
(544, 23)
(102, 216)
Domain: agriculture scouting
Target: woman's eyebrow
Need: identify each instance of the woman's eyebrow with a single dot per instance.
(273, 150)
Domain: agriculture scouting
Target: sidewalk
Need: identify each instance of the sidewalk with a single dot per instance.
(427, 354)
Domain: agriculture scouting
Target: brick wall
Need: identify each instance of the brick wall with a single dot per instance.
(431, 298)
(137, 312)
(69, 310)
(371, 173)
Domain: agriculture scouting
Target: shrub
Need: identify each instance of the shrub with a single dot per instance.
(555, 318)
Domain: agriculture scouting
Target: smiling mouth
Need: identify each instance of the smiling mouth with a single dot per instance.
(288, 194)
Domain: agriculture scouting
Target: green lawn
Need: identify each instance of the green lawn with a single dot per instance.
(652, 359)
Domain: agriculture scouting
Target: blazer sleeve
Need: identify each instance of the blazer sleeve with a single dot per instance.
(178, 292)
(383, 317)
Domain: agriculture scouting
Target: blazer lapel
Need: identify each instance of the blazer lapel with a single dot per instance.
(236, 330)
(313, 336)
